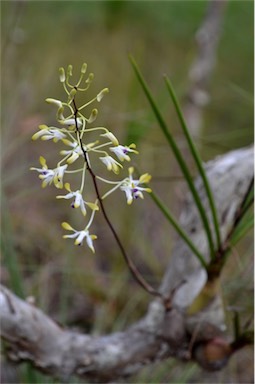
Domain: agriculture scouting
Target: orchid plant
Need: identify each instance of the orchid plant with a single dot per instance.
(71, 130)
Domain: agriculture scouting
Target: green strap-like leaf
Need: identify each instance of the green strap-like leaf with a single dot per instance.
(178, 228)
(178, 156)
(245, 225)
(197, 159)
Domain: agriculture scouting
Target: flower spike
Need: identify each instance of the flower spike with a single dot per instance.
(85, 144)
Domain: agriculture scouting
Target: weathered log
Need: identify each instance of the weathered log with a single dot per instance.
(33, 336)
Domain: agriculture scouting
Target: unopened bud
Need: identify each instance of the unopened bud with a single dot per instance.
(101, 94)
(110, 136)
(84, 68)
(93, 116)
(56, 102)
(90, 78)
(72, 94)
(60, 112)
(62, 76)
(70, 70)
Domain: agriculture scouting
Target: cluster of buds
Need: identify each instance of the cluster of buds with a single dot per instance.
(71, 132)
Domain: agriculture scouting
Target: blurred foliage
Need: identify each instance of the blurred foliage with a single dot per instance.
(96, 293)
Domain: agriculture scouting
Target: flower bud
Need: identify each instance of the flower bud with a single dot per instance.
(93, 116)
(84, 68)
(62, 75)
(70, 70)
(72, 94)
(101, 94)
(60, 115)
(56, 102)
(111, 137)
(90, 78)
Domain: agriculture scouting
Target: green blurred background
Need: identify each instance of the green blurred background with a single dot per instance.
(78, 289)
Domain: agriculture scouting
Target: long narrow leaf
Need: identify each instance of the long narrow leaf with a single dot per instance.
(178, 156)
(197, 159)
(178, 228)
(245, 219)
(249, 199)
(241, 230)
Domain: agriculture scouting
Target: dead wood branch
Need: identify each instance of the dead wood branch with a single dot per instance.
(207, 39)
(33, 336)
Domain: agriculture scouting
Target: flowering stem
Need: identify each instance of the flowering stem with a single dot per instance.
(134, 271)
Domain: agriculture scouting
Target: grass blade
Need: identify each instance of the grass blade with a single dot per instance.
(197, 160)
(178, 156)
(242, 229)
(178, 228)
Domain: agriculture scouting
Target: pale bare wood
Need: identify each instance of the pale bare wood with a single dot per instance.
(200, 73)
(60, 352)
